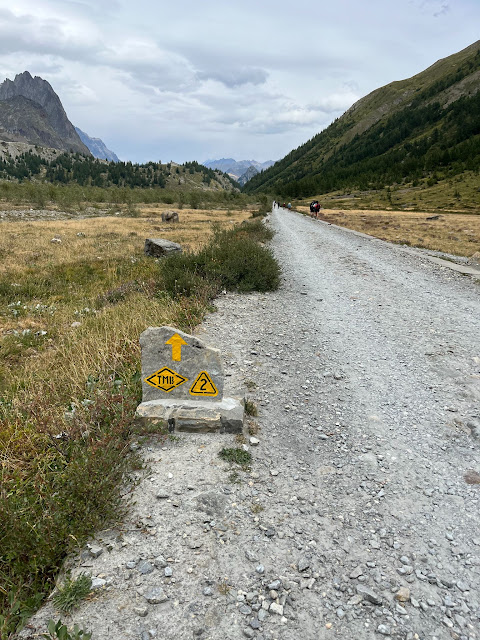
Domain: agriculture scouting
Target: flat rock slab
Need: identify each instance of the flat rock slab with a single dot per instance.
(194, 416)
(159, 248)
(177, 365)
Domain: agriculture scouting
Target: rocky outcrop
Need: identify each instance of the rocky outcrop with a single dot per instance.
(35, 109)
(159, 248)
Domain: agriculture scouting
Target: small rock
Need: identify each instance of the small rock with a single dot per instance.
(369, 594)
(384, 630)
(248, 633)
(145, 568)
(262, 615)
(98, 583)
(403, 594)
(208, 591)
(160, 562)
(245, 609)
(255, 623)
(141, 611)
(356, 573)
(260, 569)
(254, 441)
(168, 572)
(276, 608)
(462, 586)
(340, 613)
(156, 595)
(252, 557)
(276, 584)
(303, 564)
(95, 550)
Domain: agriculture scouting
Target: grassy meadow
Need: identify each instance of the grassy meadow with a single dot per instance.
(75, 294)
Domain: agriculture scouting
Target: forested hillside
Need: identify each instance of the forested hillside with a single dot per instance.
(68, 168)
(422, 129)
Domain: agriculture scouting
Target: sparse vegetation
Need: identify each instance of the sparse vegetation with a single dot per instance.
(59, 631)
(235, 455)
(250, 408)
(72, 592)
(70, 316)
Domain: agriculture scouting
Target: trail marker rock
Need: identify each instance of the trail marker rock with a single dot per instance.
(182, 384)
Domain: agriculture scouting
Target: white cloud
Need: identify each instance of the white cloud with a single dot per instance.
(202, 79)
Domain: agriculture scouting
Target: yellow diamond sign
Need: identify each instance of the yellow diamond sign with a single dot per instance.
(165, 379)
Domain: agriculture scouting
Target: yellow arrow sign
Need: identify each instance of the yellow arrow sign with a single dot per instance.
(176, 341)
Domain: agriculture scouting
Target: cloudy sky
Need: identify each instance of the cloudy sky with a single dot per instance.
(249, 79)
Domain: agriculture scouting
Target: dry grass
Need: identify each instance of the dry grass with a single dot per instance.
(23, 244)
(457, 234)
(70, 317)
(110, 252)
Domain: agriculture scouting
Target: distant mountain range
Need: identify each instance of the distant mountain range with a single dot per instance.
(31, 112)
(97, 147)
(237, 168)
(419, 130)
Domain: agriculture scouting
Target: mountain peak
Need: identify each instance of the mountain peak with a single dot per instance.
(41, 92)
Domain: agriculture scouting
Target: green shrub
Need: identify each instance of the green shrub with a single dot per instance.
(233, 260)
(59, 631)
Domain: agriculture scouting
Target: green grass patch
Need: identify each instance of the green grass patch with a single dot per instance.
(72, 592)
(250, 408)
(235, 455)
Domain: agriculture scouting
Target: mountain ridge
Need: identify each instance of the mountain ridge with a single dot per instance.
(236, 168)
(389, 135)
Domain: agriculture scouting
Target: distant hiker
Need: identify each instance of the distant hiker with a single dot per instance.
(284, 205)
(274, 204)
(317, 209)
(289, 205)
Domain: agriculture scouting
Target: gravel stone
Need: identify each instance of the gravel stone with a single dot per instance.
(155, 595)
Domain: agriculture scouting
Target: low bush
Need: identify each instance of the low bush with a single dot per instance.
(233, 260)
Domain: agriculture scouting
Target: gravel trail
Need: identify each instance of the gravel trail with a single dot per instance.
(359, 518)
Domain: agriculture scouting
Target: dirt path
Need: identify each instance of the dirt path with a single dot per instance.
(360, 516)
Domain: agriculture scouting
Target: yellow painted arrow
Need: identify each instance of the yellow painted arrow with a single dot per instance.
(176, 341)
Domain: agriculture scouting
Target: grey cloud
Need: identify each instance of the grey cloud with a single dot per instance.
(235, 77)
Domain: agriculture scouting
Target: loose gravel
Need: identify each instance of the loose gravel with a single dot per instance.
(359, 518)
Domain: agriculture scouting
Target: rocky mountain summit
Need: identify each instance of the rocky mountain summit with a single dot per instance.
(31, 111)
